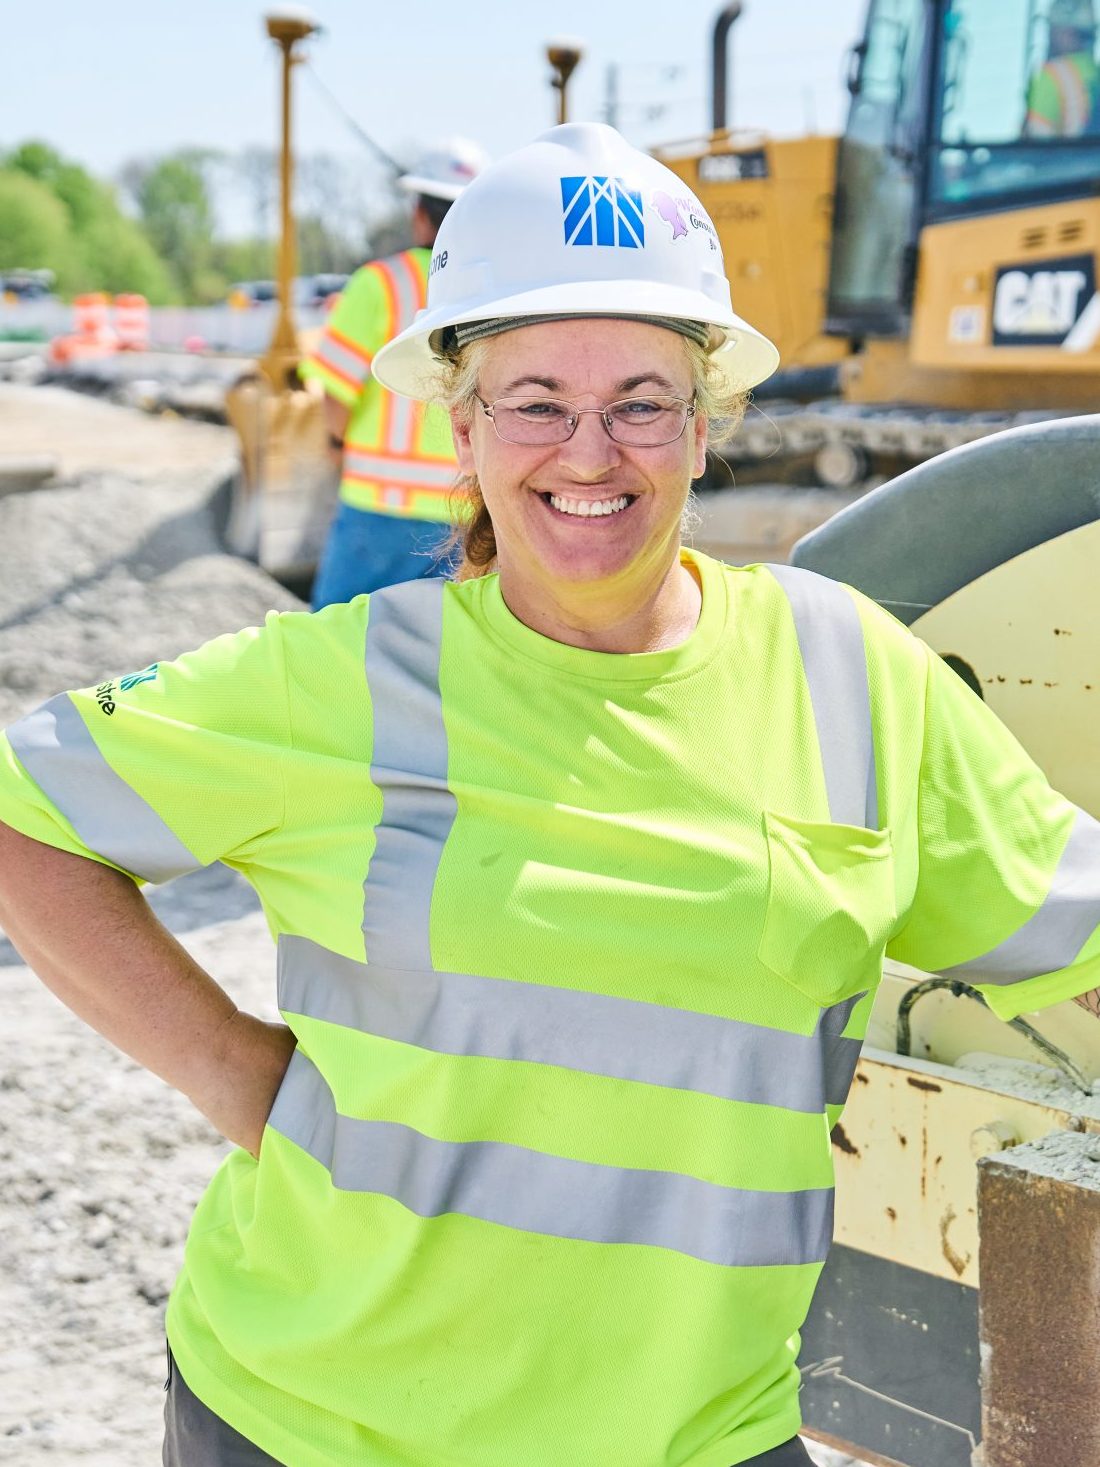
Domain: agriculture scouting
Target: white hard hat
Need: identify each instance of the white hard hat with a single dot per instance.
(577, 223)
(1077, 14)
(445, 169)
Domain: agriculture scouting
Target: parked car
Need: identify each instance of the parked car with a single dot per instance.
(312, 291)
(253, 293)
(27, 285)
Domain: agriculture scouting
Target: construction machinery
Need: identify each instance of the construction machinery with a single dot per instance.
(285, 490)
(929, 277)
(957, 1323)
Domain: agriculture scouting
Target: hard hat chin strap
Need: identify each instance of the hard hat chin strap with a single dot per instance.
(452, 339)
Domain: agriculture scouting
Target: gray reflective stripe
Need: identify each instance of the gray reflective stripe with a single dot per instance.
(830, 638)
(554, 1196)
(414, 473)
(409, 766)
(596, 1034)
(57, 751)
(840, 1055)
(332, 353)
(401, 424)
(1053, 936)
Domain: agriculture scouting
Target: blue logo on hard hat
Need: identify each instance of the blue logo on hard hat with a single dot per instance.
(602, 211)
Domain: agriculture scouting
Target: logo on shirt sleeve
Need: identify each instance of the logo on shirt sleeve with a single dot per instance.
(132, 679)
(106, 693)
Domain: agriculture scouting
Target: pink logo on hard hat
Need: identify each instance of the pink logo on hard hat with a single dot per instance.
(669, 210)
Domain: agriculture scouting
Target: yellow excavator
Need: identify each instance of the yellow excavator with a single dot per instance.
(930, 276)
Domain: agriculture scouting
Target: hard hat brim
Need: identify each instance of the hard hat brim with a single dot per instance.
(408, 366)
(417, 183)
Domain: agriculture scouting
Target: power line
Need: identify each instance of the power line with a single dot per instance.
(363, 136)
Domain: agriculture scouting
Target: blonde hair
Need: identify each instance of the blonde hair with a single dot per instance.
(456, 390)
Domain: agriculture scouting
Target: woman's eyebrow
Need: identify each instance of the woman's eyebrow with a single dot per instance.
(550, 383)
(628, 384)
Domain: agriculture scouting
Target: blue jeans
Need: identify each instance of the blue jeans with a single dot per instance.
(366, 551)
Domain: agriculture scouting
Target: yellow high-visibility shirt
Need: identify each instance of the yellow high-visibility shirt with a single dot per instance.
(579, 950)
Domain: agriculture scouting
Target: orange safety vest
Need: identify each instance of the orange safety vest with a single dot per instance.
(398, 454)
(1062, 97)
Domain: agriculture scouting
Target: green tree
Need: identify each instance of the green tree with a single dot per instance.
(118, 257)
(104, 250)
(245, 259)
(83, 196)
(35, 232)
(179, 220)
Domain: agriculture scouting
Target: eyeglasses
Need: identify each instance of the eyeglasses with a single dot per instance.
(640, 422)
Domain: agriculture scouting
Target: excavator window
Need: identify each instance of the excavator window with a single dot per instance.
(1018, 86)
(878, 172)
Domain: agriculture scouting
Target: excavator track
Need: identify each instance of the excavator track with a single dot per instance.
(850, 445)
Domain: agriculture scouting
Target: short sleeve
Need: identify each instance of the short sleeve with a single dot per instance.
(162, 770)
(1008, 891)
(355, 329)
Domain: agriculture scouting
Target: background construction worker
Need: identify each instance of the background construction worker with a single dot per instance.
(1064, 94)
(397, 463)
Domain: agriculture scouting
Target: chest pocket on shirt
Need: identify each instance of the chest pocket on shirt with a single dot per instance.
(830, 907)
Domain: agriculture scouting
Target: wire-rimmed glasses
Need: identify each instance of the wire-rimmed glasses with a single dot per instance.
(638, 422)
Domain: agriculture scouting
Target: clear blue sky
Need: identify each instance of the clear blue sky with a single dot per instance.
(108, 80)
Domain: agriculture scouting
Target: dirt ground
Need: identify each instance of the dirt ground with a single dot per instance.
(101, 1164)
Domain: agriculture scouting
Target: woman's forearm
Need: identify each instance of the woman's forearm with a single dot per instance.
(94, 941)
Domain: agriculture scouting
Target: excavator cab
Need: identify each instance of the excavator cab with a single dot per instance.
(966, 110)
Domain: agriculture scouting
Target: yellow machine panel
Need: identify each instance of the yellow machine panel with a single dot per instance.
(1014, 295)
(771, 203)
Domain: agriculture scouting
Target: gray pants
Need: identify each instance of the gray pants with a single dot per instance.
(195, 1437)
(790, 1454)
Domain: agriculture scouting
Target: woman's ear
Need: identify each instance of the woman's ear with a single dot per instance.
(460, 432)
(699, 423)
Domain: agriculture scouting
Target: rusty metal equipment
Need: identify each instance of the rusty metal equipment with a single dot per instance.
(285, 491)
(957, 1323)
(564, 55)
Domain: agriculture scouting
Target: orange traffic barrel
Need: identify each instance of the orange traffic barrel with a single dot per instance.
(91, 317)
(132, 322)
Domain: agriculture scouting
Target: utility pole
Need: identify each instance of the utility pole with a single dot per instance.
(611, 96)
(286, 28)
(563, 55)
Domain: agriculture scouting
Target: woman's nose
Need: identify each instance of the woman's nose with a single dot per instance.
(591, 453)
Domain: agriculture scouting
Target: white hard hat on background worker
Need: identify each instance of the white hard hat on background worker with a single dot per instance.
(1077, 14)
(445, 168)
(577, 223)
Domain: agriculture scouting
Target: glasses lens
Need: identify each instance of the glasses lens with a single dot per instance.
(647, 421)
(532, 419)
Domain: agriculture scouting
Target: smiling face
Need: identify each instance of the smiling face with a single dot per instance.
(588, 516)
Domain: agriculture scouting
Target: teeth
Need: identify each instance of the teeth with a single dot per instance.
(587, 508)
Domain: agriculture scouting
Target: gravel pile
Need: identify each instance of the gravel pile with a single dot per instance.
(100, 1163)
(106, 573)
